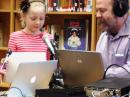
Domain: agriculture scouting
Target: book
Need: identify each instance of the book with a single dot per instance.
(68, 5)
(56, 31)
(89, 6)
(55, 5)
(75, 34)
(76, 5)
(49, 5)
(81, 5)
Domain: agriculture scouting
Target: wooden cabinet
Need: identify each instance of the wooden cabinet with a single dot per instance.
(10, 20)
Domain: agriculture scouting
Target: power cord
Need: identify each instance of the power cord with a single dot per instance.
(126, 95)
(104, 76)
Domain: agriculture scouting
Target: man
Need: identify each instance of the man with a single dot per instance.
(114, 42)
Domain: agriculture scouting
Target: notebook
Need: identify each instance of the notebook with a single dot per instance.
(33, 75)
(18, 57)
(80, 67)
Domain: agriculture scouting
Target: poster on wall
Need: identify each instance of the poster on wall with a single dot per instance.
(75, 34)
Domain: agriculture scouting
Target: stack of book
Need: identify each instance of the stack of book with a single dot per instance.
(69, 5)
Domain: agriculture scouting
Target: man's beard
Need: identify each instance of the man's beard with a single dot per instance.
(101, 24)
(106, 26)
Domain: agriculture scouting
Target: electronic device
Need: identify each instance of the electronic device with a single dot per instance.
(80, 67)
(18, 57)
(49, 44)
(60, 93)
(120, 7)
(109, 87)
(31, 76)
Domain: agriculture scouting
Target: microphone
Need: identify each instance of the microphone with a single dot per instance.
(54, 44)
(6, 58)
(48, 42)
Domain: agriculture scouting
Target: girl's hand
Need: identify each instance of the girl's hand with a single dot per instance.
(2, 71)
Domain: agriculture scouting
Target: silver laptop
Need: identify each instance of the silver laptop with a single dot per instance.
(80, 67)
(18, 57)
(33, 75)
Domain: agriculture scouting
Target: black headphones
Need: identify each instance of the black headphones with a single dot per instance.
(120, 7)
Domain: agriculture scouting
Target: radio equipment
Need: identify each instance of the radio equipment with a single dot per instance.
(109, 87)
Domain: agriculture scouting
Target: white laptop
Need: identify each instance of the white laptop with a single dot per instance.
(18, 57)
(31, 76)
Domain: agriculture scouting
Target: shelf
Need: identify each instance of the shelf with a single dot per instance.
(2, 10)
(64, 13)
(4, 48)
(71, 13)
(4, 86)
(52, 17)
(16, 11)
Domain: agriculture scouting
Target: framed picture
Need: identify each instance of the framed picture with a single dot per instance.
(75, 34)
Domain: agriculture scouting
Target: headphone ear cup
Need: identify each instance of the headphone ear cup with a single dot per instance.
(120, 7)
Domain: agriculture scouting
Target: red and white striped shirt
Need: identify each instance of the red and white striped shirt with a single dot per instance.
(23, 42)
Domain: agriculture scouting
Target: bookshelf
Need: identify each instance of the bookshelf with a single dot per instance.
(10, 21)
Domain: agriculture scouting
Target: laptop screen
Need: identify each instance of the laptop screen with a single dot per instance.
(80, 67)
(33, 75)
(18, 57)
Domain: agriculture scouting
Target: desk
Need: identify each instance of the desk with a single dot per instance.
(4, 86)
(60, 93)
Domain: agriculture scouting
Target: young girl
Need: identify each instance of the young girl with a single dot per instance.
(30, 39)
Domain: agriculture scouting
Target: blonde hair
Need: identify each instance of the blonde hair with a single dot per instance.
(42, 1)
(39, 4)
(26, 4)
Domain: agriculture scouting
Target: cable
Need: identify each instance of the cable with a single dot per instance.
(104, 76)
(126, 95)
(18, 90)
